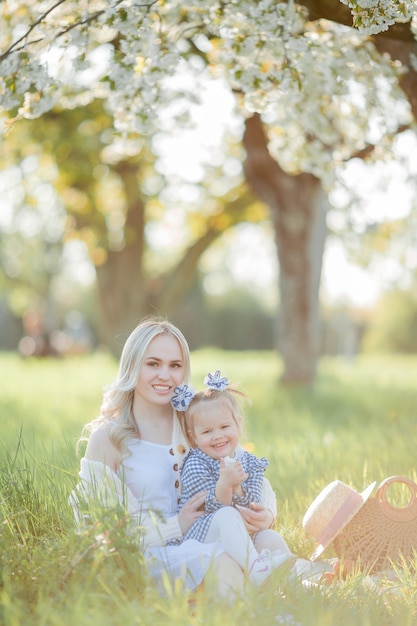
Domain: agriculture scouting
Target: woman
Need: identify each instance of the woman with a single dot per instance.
(134, 452)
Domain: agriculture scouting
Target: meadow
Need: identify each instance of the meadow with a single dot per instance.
(358, 424)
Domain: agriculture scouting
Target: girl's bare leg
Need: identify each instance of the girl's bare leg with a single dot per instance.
(225, 579)
(270, 540)
(228, 527)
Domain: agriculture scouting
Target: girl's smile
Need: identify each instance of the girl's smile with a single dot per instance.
(215, 431)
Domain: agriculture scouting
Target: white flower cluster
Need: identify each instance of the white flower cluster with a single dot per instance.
(374, 16)
(317, 85)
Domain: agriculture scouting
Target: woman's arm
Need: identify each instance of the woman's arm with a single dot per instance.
(269, 499)
(101, 488)
(100, 448)
(256, 517)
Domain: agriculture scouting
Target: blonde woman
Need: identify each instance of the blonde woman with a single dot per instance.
(134, 451)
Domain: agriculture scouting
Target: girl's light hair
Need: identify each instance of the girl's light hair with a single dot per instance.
(232, 397)
(116, 407)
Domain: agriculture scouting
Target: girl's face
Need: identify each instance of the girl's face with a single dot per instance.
(162, 370)
(215, 430)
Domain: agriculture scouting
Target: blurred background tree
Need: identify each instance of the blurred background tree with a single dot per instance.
(108, 201)
(394, 328)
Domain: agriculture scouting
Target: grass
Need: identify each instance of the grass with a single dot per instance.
(358, 424)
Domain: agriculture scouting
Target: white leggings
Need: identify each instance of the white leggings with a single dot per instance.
(228, 527)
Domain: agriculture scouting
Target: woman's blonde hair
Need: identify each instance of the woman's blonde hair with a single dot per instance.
(232, 397)
(116, 407)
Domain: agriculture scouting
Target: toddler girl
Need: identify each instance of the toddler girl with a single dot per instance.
(231, 476)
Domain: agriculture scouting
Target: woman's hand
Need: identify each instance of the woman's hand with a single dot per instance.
(256, 517)
(192, 510)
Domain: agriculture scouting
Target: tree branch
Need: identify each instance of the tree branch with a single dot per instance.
(31, 28)
(91, 18)
(335, 11)
(173, 286)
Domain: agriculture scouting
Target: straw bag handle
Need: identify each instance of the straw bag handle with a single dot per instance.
(403, 514)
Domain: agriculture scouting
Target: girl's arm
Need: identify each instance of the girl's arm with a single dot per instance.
(227, 484)
(252, 489)
(253, 485)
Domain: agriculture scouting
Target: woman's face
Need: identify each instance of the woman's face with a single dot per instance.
(162, 370)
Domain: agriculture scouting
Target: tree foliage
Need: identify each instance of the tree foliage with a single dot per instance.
(394, 327)
(112, 199)
(283, 64)
(316, 73)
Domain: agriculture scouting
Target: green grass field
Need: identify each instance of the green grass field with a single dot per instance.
(358, 424)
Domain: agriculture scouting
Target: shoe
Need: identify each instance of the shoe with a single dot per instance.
(269, 562)
(305, 571)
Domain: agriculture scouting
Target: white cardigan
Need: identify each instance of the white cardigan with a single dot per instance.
(100, 486)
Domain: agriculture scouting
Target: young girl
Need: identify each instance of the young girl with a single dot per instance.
(231, 477)
(134, 450)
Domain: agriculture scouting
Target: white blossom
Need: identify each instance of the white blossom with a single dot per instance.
(305, 80)
(375, 16)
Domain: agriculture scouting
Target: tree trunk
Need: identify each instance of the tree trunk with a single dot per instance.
(405, 52)
(297, 206)
(126, 293)
(121, 285)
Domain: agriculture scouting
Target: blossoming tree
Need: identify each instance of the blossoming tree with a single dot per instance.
(315, 92)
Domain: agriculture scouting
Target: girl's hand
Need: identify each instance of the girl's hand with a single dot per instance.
(257, 517)
(233, 474)
(191, 511)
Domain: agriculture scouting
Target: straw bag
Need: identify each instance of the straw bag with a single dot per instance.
(381, 534)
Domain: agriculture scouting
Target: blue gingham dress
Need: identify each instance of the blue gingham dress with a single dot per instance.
(200, 472)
